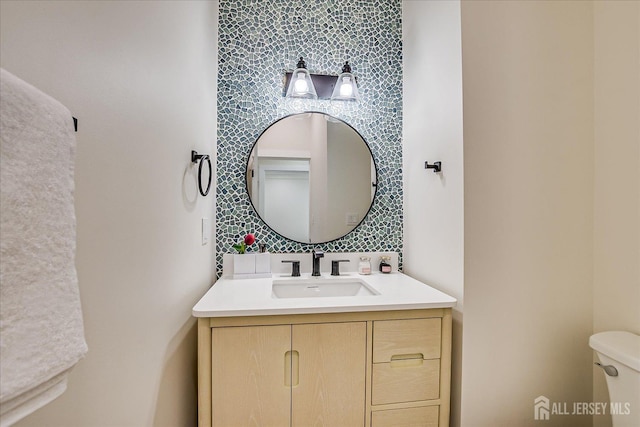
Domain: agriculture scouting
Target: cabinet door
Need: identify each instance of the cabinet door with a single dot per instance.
(250, 376)
(330, 386)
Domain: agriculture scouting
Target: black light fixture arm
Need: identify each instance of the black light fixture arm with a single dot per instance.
(202, 157)
(323, 83)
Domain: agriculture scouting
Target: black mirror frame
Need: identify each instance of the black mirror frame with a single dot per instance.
(246, 183)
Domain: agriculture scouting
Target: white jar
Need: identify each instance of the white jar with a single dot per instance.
(364, 266)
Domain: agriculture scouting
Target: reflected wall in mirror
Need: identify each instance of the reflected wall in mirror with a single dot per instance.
(311, 177)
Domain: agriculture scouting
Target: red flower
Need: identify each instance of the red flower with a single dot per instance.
(241, 247)
(249, 239)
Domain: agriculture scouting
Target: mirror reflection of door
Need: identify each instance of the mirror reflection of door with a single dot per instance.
(284, 196)
(309, 177)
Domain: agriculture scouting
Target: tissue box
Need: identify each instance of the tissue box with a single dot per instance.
(244, 264)
(251, 265)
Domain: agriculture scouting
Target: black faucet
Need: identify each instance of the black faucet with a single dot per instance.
(316, 254)
(335, 266)
(295, 267)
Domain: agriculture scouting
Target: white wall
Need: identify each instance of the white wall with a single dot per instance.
(349, 171)
(432, 130)
(141, 79)
(528, 164)
(616, 292)
(617, 166)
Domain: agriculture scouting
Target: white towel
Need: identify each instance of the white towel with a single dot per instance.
(41, 330)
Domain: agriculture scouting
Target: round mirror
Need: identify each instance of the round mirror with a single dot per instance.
(311, 177)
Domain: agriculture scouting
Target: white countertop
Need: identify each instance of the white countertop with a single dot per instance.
(253, 297)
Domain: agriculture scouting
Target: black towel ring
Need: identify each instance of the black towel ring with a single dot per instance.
(202, 157)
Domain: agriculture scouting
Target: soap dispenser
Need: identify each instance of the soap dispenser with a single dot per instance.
(364, 266)
(385, 264)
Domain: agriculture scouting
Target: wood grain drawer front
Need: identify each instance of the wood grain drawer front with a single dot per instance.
(406, 338)
(405, 381)
(424, 416)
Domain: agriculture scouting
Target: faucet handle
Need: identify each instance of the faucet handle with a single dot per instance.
(335, 266)
(295, 267)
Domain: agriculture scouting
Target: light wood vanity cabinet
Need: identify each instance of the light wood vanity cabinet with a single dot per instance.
(313, 373)
(370, 369)
(407, 369)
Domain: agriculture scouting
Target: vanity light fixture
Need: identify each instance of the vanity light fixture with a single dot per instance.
(346, 88)
(300, 84)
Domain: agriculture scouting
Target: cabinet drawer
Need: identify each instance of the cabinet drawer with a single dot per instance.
(405, 381)
(425, 416)
(406, 337)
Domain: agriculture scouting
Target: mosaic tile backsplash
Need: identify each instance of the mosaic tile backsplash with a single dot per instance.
(258, 41)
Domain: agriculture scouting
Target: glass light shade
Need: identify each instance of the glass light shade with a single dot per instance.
(346, 88)
(301, 85)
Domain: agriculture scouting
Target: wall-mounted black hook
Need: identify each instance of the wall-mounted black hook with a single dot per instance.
(202, 157)
(195, 156)
(436, 166)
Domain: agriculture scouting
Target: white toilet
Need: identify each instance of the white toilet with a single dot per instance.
(619, 356)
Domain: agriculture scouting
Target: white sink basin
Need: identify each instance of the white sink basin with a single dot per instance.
(318, 288)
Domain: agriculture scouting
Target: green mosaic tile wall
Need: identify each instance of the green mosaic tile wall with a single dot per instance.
(258, 41)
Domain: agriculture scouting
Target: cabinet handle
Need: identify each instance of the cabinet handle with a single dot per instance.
(407, 356)
(291, 368)
(287, 369)
(295, 372)
(406, 360)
